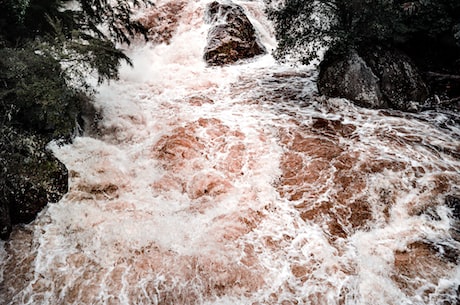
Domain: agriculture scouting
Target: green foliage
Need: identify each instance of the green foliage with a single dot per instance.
(83, 43)
(83, 54)
(297, 32)
(73, 30)
(34, 93)
(46, 45)
(47, 50)
(116, 16)
(431, 17)
(30, 18)
(304, 26)
(11, 16)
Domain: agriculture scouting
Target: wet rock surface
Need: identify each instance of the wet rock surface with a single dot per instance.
(232, 36)
(400, 81)
(162, 21)
(31, 177)
(350, 77)
(374, 78)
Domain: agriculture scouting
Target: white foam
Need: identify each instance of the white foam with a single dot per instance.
(181, 203)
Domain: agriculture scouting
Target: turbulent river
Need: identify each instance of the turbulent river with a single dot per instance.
(241, 185)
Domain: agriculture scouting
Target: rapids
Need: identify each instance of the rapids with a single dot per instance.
(241, 185)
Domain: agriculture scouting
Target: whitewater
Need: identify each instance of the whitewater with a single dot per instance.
(241, 185)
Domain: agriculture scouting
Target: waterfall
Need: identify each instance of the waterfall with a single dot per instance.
(241, 185)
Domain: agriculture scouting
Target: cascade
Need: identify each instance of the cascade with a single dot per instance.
(241, 185)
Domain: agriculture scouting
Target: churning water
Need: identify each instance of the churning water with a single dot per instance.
(240, 185)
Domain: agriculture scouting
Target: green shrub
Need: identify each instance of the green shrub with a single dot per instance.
(304, 26)
(34, 94)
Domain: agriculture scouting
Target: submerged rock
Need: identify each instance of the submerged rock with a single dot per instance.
(374, 78)
(31, 177)
(232, 36)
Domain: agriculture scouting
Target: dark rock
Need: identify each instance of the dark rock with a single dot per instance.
(401, 83)
(88, 119)
(232, 36)
(31, 178)
(5, 220)
(444, 84)
(348, 76)
(449, 253)
(445, 89)
(374, 78)
(454, 203)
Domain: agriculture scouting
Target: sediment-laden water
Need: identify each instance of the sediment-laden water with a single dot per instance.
(241, 185)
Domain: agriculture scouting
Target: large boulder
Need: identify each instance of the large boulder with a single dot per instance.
(401, 84)
(37, 105)
(31, 178)
(374, 78)
(348, 76)
(232, 37)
